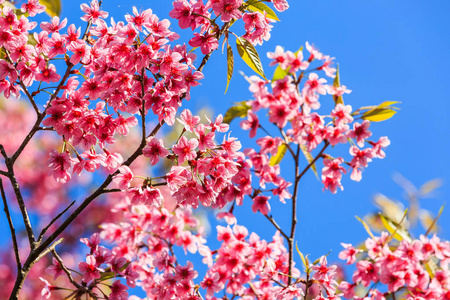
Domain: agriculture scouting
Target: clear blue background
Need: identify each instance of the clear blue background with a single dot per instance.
(387, 50)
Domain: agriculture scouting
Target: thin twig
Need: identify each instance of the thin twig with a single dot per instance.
(294, 216)
(22, 207)
(24, 88)
(272, 220)
(64, 268)
(4, 173)
(11, 227)
(314, 160)
(44, 230)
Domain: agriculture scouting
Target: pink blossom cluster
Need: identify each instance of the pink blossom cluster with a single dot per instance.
(113, 62)
(148, 235)
(249, 267)
(100, 266)
(203, 169)
(196, 14)
(413, 269)
(294, 104)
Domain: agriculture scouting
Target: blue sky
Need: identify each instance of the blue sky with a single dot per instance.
(387, 50)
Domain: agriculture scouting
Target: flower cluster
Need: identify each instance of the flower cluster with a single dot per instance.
(294, 104)
(202, 170)
(412, 269)
(99, 267)
(248, 265)
(115, 62)
(196, 14)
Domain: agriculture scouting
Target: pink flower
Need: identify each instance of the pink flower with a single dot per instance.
(333, 168)
(55, 269)
(93, 12)
(48, 74)
(218, 125)
(294, 61)
(261, 203)
(188, 120)
(89, 269)
(251, 123)
(118, 291)
(32, 7)
(280, 114)
(314, 86)
(330, 71)
(360, 132)
(205, 139)
(185, 273)
(182, 11)
(332, 183)
(269, 144)
(278, 57)
(366, 272)
(280, 5)
(60, 164)
(349, 253)
(227, 9)
(46, 291)
(315, 53)
(185, 149)
(377, 148)
(177, 177)
(54, 25)
(206, 42)
(342, 114)
(211, 283)
(154, 150)
(124, 178)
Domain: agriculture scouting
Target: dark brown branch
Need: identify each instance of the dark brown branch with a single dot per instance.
(22, 207)
(314, 160)
(23, 86)
(44, 230)
(64, 268)
(11, 227)
(294, 216)
(4, 173)
(31, 260)
(272, 220)
(41, 116)
(294, 203)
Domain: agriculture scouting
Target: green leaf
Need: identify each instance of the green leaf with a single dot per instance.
(276, 159)
(279, 73)
(303, 258)
(309, 158)
(107, 275)
(430, 186)
(239, 110)
(31, 40)
(336, 83)
(230, 63)
(318, 260)
(395, 229)
(53, 7)
(250, 56)
(365, 227)
(256, 5)
(435, 220)
(431, 268)
(379, 114)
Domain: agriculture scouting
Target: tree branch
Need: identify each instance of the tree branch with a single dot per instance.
(64, 268)
(11, 227)
(44, 230)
